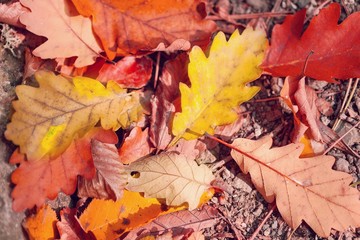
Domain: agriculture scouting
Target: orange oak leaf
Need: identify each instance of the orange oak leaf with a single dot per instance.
(110, 178)
(325, 50)
(41, 226)
(107, 219)
(136, 146)
(305, 189)
(69, 34)
(38, 180)
(129, 72)
(128, 27)
(181, 224)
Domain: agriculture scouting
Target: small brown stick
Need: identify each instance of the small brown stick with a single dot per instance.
(253, 236)
(337, 141)
(157, 68)
(265, 99)
(249, 16)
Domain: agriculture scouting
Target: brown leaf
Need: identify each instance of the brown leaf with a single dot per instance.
(110, 178)
(10, 13)
(136, 146)
(129, 27)
(305, 188)
(179, 223)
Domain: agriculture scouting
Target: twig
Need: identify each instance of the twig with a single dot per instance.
(253, 236)
(156, 78)
(249, 15)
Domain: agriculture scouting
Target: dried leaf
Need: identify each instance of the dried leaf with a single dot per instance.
(129, 72)
(68, 33)
(41, 226)
(146, 24)
(38, 180)
(136, 146)
(218, 82)
(107, 219)
(10, 13)
(170, 176)
(110, 178)
(305, 188)
(178, 223)
(48, 118)
(324, 51)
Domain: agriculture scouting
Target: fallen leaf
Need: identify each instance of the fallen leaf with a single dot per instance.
(69, 34)
(107, 219)
(48, 118)
(41, 226)
(163, 109)
(10, 13)
(38, 180)
(170, 176)
(69, 228)
(132, 27)
(305, 188)
(324, 51)
(110, 178)
(177, 45)
(33, 64)
(179, 223)
(135, 146)
(218, 82)
(129, 72)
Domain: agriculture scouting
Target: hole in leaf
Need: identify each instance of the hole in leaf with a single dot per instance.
(135, 174)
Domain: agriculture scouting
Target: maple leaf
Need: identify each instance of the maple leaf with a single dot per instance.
(41, 226)
(107, 219)
(135, 146)
(218, 82)
(10, 13)
(129, 72)
(170, 176)
(180, 223)
(129, 27)
(325, 51)
(110, 178)
(37, 180)
(68, 33)
(48, 118)
(305, 188)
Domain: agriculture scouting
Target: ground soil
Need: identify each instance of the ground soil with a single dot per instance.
(242, 206)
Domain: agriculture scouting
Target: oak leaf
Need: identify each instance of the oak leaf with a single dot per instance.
(48, 118)
(218, 82)
(129, 72)
(128, 27)
(10, 13)
(69, 34)
(170, 176)
(110, 178)
(41, 226)
(107, 219)
(305, 188)
(324, 51)
(179, 223)
(38, 180)
(135, 146)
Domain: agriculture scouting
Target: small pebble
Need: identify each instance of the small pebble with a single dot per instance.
(257, 212)
(342, 165)
(267, 232)
(274, 225)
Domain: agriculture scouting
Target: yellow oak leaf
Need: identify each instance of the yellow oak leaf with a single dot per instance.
(218, 82)
(170, 176)
(108, 219)
(48, 118)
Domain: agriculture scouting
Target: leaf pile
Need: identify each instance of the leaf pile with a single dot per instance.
(102, 124)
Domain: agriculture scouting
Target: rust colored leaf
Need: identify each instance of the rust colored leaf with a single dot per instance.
(136, 146)
(41, 226)
(128, 27)
(107, 219)
(179, 223)
(69, 34)
(10, 13)
(305, 189)
(110, 178)
(325, 50)
(38, 180)
(129, 72)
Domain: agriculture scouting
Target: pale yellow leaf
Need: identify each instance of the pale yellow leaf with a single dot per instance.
(305, 189)
(170, 176)
(48, 118)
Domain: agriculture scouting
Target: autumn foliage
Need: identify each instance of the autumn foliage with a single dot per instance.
(106, 126)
